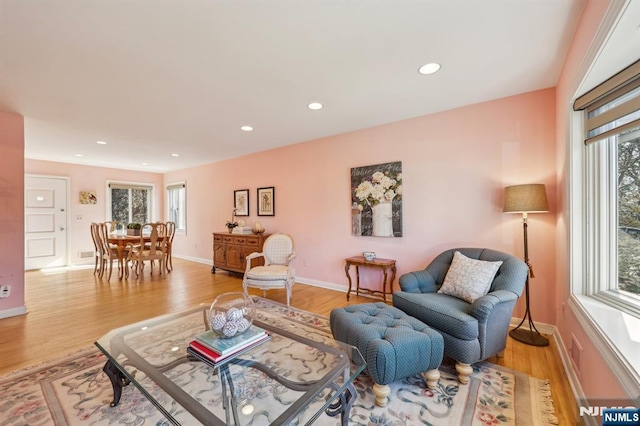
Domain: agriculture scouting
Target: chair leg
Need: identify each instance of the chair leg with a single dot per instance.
(110, 269)
(464, 371)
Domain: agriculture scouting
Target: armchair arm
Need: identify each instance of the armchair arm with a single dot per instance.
(418, 282)
(291, 257)
(253, 255)
(482, 307)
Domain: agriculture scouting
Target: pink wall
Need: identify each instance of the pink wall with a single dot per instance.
(86, 178)
(603, 384)
(12, 212)
(455, 165)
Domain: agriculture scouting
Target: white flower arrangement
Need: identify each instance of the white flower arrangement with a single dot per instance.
(380, 188)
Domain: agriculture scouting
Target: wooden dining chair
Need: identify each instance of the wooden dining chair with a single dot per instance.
(151, 247)
(171, 231)
(97, 248)
(107, 253)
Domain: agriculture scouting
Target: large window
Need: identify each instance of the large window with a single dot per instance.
(612, 190)
(177, 205)
(130, 202)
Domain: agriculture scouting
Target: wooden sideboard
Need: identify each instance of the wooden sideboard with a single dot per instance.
(231, 250)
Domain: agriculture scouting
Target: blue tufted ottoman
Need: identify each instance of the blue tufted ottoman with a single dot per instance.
(393, 344)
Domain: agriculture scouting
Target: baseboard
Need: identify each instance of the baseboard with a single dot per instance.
(6, 313)
(194, 259)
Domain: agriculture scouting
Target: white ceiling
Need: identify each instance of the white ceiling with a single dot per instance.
(152, 78)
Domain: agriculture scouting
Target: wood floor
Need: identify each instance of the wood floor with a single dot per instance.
(68, 310)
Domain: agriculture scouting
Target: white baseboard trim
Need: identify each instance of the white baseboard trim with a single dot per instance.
(6, 313)
(194, 259)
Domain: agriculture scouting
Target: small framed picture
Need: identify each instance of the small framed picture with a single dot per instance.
(241, 202)
(266, 201)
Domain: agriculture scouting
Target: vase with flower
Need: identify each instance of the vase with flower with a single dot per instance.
(377, 193)
(232, 223)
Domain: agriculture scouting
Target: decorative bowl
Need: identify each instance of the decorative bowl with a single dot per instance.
(369, 255)
(231, 314)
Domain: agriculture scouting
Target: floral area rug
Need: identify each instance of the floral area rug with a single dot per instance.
(73, 390)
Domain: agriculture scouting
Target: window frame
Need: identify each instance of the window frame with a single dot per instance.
(169, 188)
(131, 185)
(601, 226)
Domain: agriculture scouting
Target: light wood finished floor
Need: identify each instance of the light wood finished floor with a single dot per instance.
(69, 310)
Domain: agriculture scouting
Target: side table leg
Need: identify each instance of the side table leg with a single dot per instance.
(384, 285)
(118, 381)
(357, 280)
(393, 278)
(346, 271)
(343, 405)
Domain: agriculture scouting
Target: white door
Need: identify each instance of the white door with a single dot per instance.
(45, 222)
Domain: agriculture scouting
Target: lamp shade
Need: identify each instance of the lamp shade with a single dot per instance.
(529, 198)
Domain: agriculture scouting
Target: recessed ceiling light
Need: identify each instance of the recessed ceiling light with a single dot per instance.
(145, 164)
(175, 155)
(78, 155)
(429, 68)
(246, 128)
(101, 142)
(315, 105)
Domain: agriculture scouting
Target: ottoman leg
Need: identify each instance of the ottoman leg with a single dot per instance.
(382, 393)
(432, 377)
(464, 371)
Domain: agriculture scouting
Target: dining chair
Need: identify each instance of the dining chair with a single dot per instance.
(97, 248)
(107, 252)
(151, 247)
(171, 231)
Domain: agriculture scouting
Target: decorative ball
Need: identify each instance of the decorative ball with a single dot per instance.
(218, 321)
(230, 329)
(231, 314)
(234, 314)
(243, 325)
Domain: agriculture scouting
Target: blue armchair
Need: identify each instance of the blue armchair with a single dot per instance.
(472, 331)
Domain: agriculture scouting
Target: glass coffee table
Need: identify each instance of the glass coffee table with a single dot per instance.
(288, 379)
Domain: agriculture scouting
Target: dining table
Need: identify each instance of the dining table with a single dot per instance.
(121, 241)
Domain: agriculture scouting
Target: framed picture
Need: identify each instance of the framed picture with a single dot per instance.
(241, 202)
(88, 197)
(376, 200)
(266, 201)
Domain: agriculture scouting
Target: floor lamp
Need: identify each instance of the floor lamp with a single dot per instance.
(530, 198)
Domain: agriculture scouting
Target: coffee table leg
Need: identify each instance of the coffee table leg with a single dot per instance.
(343, 405)
(118, 381)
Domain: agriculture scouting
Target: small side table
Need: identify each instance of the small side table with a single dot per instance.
(384, 264)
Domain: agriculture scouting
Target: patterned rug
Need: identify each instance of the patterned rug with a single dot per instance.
(73, 390)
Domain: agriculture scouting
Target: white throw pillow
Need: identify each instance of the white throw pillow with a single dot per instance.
(468, 279)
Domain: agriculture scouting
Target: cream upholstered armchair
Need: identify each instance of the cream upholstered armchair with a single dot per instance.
(277, 271)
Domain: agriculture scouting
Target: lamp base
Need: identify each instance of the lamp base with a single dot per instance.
(529, 337)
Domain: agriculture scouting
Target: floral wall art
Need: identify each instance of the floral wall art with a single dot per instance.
(376, 200)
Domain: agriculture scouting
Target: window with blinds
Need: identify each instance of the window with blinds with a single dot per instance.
(612, 188)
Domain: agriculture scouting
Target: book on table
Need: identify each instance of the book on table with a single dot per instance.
(206, 354)
(223, 346)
